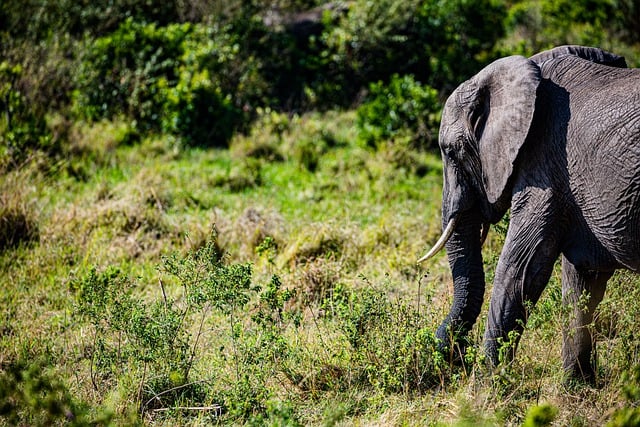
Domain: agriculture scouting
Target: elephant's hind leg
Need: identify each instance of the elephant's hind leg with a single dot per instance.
(582, 291)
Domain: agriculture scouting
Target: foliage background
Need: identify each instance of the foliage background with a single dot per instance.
(209, 212)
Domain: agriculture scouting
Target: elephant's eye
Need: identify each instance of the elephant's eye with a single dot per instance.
(450, 153)
(455, 151)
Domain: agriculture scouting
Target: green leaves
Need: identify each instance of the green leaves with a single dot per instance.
(401, 108)
(208, 282)
(30, 395)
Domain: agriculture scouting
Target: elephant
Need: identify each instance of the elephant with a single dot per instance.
(555, 138)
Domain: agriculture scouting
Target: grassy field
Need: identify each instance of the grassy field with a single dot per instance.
(273, 283)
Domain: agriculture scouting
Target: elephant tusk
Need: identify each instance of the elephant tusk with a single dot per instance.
(484, 231)
(448, 231)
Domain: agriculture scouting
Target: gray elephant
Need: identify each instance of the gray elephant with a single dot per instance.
(556, 139)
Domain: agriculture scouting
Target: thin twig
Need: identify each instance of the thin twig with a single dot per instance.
(217, 408)
(315, 322)
(164, 293)
(141, 387)
(193, 350)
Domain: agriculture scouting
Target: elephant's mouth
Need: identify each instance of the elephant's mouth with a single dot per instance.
(446, 234)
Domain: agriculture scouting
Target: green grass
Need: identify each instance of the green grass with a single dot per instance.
(116, 306)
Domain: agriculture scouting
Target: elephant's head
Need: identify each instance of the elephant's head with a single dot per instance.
(485, 123)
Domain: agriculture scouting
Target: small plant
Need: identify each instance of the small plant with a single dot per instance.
(160, 342)
(392, 347)
(629, 414)
(268, 248)
(128, 332)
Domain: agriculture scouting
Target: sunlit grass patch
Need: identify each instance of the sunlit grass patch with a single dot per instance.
(250, 229)
(323, 241)
(19, 222)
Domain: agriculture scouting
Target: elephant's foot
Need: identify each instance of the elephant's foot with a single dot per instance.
(579, 369)
(452, 343)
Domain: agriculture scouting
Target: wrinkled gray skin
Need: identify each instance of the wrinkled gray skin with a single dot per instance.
(555, 138)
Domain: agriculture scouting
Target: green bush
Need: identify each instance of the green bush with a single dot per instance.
(156, 344)
(147, 340)
(119, 73)
(629, 414)
(540, 415)
(403, 107)
(42, 19)
(540, 25)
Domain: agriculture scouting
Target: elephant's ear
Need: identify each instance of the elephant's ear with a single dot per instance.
(502, 117)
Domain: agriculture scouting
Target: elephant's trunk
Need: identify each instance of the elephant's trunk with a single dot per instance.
(465, 259)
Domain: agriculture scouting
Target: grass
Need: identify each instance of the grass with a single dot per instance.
(304, 306)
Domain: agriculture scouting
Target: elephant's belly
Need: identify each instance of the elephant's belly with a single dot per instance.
(589, 254)
(619, 232)
(624, 249)
(607, 229)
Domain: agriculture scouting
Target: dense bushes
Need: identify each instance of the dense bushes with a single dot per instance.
(540, 24)
(20, 126)
(195, 72)
(200, 70)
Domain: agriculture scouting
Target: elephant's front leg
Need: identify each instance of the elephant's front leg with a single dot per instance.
(524, 268)
(582, 291)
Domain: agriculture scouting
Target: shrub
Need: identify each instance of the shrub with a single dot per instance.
(540, 415)
(149, 341)
(198, 111)
(538, 25)
(403, 107)
(38, 21)
(157, 344)
(119, 73)
(629, 414)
